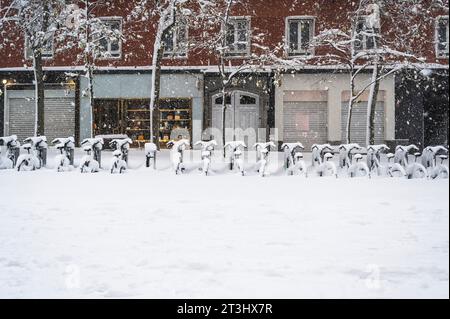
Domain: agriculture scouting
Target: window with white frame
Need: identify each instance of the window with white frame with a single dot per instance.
(300, 31)
(442, 37)
(175, 39)
(47, 48)
(109, 40)
(238, 36)
(365, 36)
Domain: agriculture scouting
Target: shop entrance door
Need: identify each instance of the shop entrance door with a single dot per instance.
(241, 115)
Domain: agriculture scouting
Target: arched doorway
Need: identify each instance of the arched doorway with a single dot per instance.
(241, 114)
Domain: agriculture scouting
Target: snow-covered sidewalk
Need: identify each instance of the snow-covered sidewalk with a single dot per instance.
(156, 235)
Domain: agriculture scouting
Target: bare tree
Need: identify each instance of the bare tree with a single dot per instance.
(236, 47)
(162, 13)
(89, 35)
(38, 21)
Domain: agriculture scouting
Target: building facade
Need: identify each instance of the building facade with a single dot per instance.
(307, 104)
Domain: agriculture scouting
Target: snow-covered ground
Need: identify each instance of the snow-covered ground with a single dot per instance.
(148, 234)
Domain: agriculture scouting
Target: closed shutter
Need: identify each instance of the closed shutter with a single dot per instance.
(358, 128)
(59, 118)
(306, 122)
(21, 117)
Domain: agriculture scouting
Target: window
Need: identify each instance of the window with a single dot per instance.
(365, 37)
(247, 100)
(300, 31)
(110, 42)
(175, 39)
(442, 37)
(238, 36)
(47, 48)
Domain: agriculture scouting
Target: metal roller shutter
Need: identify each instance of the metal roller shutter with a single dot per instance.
(306, 122)
(59, 117)
(21, 117)
(359, 123)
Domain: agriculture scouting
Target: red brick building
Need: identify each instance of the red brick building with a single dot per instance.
(306, 105)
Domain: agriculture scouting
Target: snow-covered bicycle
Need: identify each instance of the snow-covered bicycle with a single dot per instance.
(430, 154)
(327, 167)
(402, 154)
(64, 160)
(416, 169)
(36, 154)
(118, 163)
(239, 161)
(95, 147)
(122, 145)
(394, 169)
(207, 151)
(177, 154)
(263, 151)
(358, 168)
(12, 146)
(299, 167)
(234, 148)
(374, 157)
(440, 170)
(290, 150)
(318, 152)
(88, 163)
(346, 154)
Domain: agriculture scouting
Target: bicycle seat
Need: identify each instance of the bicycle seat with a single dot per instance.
(417, 154)
(299, 155)
(117, 153)
(390, 155)
(358, 157)
(27, 147)
(443, 157)
(87, 148)
(328, 156)
(206, 154)
(60, 146)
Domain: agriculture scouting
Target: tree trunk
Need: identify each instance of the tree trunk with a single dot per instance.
(224, 112)
(349, 121)
(155, 103)
(371, 106)
(40, 93)
(91, 96)
(351, 103)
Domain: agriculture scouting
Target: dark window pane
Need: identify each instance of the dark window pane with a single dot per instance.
(359, 37)
(115, 46)
(247, 100)
(370, 42)
(219, 100)
(168, 40)
(230, 40)
(103, 43)
(293, 36)
(442, 34)
(306, 34)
